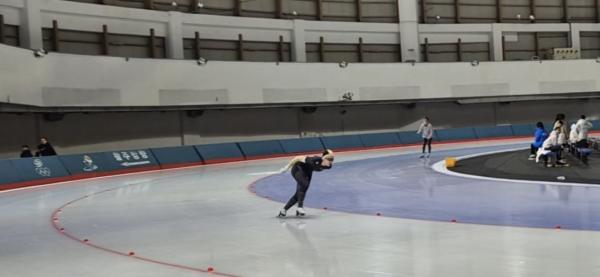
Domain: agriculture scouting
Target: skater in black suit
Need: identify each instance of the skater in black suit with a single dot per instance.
(302, 169)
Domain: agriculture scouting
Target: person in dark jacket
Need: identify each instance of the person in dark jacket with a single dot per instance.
(302, 169)
(45, 148)
(540, 136)
(25, 151)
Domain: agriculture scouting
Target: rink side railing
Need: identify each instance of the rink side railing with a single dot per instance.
(17, 173)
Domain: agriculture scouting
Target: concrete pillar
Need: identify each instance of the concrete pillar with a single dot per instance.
(575, 36)
(496, 39)
(298, 41)
(175, 36)
(30, 31)
(409, 30)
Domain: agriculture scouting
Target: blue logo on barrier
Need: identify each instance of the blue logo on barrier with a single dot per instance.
(88, 164)
(131, 158)
(40, 169)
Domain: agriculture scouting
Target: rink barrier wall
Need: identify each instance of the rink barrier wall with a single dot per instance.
(548, 126)
(342, 142)
(129, 159)
(261, 148)
(8, 174)
(456, 134)
(220, 152)
(523, 129)
(80, 163)
(381, 139)
(169, 157)
(493, 132)
(411, 137)
(18, 173)
(39, 168)
(302, 145)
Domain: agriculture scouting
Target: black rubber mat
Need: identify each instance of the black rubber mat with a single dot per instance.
(515, 165)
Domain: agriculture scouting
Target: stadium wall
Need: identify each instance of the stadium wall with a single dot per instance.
(95, 132)
(85, 81)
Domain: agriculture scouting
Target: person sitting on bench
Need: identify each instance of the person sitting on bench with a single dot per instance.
(539, 137)
(550, 149)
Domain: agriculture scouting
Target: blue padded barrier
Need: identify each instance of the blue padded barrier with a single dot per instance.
(130, 159)
(342, 142)
(381, 139)
(261, 148)
(523, 130)
(39, 168)
(548, 126)
(493, 132)
(596, 124)
(86, 163)
(8, 174)
(219, 152)
(169, 156)
(456, 134)
(411, 137)
(301, 145)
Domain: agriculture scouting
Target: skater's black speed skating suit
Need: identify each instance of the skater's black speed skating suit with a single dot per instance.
(302, 173)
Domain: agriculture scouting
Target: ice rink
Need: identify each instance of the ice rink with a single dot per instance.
(219, 220)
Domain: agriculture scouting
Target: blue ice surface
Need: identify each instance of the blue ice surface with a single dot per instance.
(405, 186)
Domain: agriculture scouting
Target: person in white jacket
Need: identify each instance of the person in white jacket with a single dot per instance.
(583, 127)
(562, 136)
(550, 148)
(426, 131)
(573, 136)
(561, 122)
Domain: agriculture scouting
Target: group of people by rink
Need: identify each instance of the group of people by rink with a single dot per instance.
(549, 148)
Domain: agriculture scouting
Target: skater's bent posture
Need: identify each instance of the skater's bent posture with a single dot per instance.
(302, 169)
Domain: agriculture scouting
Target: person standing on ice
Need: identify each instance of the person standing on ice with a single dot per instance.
(426, 131)
(302, 170)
